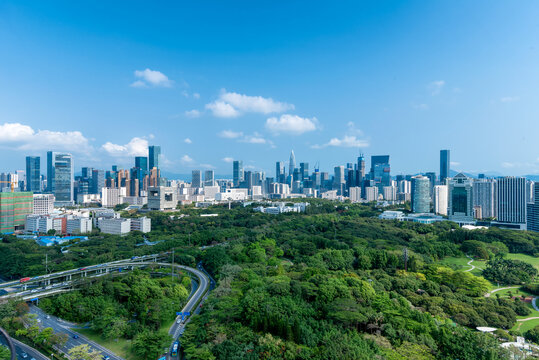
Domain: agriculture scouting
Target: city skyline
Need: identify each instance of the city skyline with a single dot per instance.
(340, 92)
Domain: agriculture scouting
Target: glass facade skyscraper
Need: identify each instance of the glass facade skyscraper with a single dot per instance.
(153, 156)
(33, 174)
(380, 171)
(445, 161)
(420, 194)
(237, 172)
(141, 162)
(460, 198)
(512, 200)
(63, 177)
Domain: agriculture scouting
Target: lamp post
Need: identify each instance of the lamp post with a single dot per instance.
(9, 344)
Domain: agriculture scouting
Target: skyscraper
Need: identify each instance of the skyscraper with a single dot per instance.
(50, 171)
(361, 170)
(292, 163)
(440, 199)
(512, 200)
(484, 196)
(209, 178)
(33, 174)
(460, 204)
(195, 179)
(141, 162)
(63, 178)
(380, 171)
(280, 176)
(237, 172)
(445, 161)
(98, 181)
(153, 156)
(304, 171)
(420, 194)
(533, 211)
(338, 179)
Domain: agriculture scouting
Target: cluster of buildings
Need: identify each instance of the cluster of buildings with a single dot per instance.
(504, 201)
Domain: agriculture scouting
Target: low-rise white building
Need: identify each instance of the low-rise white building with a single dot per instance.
(114, 226)
(78, 225)
(143, 224)
(43, 204)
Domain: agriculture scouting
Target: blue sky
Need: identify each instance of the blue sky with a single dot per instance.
(212, 81)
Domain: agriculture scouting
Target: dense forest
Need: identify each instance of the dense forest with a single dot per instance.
(331, 283)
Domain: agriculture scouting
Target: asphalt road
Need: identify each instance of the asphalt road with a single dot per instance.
(24, 351)
(61, 326)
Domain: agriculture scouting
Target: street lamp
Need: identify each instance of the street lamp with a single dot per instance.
(9, 344)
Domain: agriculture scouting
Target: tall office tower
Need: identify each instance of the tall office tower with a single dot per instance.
(98, 181)
(195, 179)
(248, 179)
(304, 171)
(296, 176)
(209, 178)
(360, 170)
(141, 162)
(87, 172)
(533, 211)
(432, 178)
(237, 172)
(440, 199)
(338, 179)
(280, 176)
(62, 183)
(33, 174)
(445, 161)
(420, 194)
(484, 196)
(153, 156)
(511, 201)
(529, 191)
(380, 171)
(292, 163)
(460, 204)
(115, 168)
(50, 171)
(350, 176)
(404, 187)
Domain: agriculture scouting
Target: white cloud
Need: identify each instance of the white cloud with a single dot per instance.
(135, 147)
(196, 96)
(346, 141)
(420, 106)
(231, 104)
(186, 159)
(454, 163)
(229, 134)
(291, 124)
(24, 137)
(149, 77)
(206, 166)
(192, 113)
(222, 109)
(188, 141)
(254, 139)
(436, 87)
(509, 99)
(228, 159)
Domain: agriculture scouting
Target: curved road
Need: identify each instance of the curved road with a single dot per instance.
(75, 339)
(500, 289)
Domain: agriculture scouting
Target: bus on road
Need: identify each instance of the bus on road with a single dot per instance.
(175, 346)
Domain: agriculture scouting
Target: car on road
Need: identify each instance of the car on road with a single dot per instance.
(24, 355)
(179, 321)
(106, 357)
(25, 279)
(48, 316)
(75, 336)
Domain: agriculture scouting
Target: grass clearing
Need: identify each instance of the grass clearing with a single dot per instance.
(534, 261)
(122, 347)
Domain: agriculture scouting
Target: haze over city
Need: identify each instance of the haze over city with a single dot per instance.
(249, 81)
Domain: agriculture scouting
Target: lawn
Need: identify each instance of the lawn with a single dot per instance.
(461, 263)
(526, 258)
(122, 347)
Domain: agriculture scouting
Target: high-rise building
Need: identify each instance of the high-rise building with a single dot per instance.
(511, 200)
(237, 172)
(87, 172)
(62, 181)
(304, 171)
(338, 179)
(153, 156)
(280, 175)
(533, 211)
(33, 174)
(445, 161)
(484, 197)
(14, 207)
(390, 193)
(360, 170)
(50, 171)
(195, 179)
(432, 178)
(420, 194)
(141, 162)
(98, 181)
(209, 178)
(380, 171)
(460, 204)
(371, 193)
(440, 199)
(43, 204)
(292, 163)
